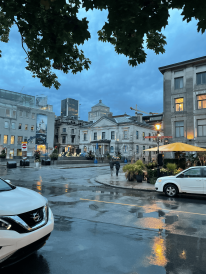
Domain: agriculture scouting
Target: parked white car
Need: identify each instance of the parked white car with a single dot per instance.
(26, 222)
(191, 180)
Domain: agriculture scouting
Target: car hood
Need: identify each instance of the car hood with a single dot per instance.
(166, 177)
(19, 200)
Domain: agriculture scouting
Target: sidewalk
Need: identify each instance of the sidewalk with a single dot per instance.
(121, 182)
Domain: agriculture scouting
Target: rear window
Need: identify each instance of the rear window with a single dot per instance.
(4, 186)
(204, 172)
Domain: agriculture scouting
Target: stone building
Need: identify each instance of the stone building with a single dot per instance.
(98, 111)
(185, 101)
(67, 134)
(119, 134)
(22, 120)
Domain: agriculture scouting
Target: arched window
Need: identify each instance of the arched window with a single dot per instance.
(111, 149)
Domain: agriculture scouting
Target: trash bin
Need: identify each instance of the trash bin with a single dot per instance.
(24, 163)
(46, 162)
(11, 164)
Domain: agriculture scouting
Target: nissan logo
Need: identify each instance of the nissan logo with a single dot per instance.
(36, 217)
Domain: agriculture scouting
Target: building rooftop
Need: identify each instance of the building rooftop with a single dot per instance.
(180, 65)
(100, 104)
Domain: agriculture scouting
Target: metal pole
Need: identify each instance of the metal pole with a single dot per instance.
(158, 168)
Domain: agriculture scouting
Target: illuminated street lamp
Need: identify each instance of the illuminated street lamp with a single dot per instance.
(158, 127)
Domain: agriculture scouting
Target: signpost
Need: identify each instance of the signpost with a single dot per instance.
(24, 151)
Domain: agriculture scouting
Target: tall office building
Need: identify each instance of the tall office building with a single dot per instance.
(70, 108)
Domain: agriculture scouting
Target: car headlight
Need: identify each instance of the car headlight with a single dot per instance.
(159, 180)
(4, 225)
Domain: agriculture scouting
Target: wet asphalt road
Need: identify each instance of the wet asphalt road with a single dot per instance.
(105, 230)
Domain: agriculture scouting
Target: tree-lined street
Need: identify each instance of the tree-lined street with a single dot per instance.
(101, 229)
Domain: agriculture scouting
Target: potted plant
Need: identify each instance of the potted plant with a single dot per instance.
(37, 154)
(163, 172)
(171, 168)
(3, 154)
(130, 171)
(151, 176)
(139, 175)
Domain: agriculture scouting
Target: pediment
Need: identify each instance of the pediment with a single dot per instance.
(102, 122)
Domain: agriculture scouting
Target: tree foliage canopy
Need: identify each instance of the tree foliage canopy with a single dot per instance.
(51, 31)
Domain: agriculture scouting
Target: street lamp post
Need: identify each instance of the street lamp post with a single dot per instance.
(158, 127)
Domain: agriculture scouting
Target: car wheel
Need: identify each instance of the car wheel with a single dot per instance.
(171, 190)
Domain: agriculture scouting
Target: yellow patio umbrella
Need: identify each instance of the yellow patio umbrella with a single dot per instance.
(177, 147)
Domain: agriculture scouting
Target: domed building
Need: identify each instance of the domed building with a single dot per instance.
(98, 111)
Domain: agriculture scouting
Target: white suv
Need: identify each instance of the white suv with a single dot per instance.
(191, 180)
(26, 222)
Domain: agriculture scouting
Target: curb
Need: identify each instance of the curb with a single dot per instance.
(120, 187)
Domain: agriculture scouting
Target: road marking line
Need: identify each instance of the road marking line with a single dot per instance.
(142, 206)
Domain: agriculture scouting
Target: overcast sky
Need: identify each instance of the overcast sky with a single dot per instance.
(109, 78)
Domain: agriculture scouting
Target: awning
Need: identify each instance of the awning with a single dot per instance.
(177, 147)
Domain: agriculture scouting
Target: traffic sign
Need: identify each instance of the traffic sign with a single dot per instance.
(24, 146)
(160, 137)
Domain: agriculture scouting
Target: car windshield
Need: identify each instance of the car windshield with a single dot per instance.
(4, 186)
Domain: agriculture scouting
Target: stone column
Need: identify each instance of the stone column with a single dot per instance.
(102, 149)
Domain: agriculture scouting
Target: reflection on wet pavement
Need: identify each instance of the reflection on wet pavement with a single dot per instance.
(123, 231)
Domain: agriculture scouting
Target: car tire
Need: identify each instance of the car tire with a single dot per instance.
(171, 190)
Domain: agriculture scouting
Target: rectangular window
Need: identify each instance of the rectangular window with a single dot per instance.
(63, 139)
(112, 135)
(137, 134)
(95, 135)
(201, 128)
(12, 139)
(6, 124)
(201, 101)
(26, 127)
(137, 149)
(14, 113)
(103, 135)
(64, 129)
(13, 125)
(7, 112)
(20, 140)
(201, 78)
(32, 128)
(5, 139)
(143, 135)
(33, 115)
(179, 129)
(125, 134)
(111, 149)
(85, 136)
(27, 115)
(20, 113)
(19, 126)
(72, 131)
(179, 83)
(143, 150)
(25, 139)
(149, 136)
(179, 104)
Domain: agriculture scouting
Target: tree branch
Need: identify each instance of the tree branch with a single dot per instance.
(22, 40)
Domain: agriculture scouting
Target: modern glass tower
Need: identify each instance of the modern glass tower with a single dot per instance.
(70, 108)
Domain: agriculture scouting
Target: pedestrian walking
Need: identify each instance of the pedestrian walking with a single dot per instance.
(111, 163)
(117, 164)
